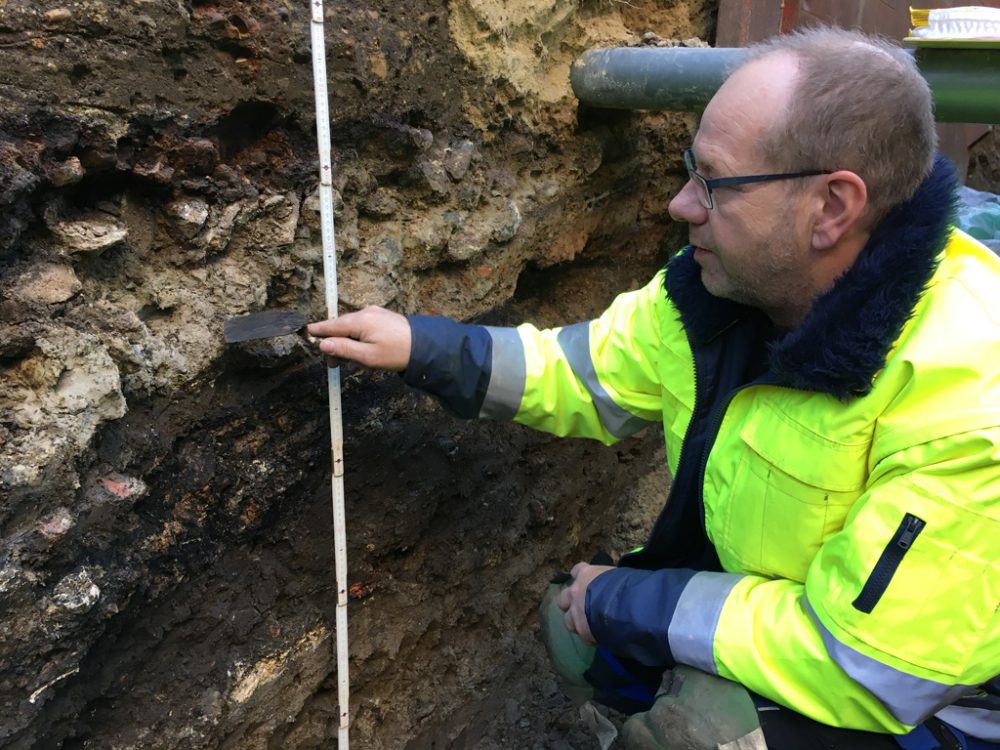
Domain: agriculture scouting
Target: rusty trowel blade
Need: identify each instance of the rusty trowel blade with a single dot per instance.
(263, 325)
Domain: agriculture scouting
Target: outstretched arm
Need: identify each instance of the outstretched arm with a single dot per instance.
(597, 379)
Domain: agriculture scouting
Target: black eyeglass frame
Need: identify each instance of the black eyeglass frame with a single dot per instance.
(709, 185)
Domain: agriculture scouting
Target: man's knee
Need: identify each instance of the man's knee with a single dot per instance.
(570, 656)
(589, 673)
(696, 711)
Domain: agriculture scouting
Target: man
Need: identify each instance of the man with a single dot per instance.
(825, 359)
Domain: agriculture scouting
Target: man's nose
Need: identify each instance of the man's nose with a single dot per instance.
(685, 206)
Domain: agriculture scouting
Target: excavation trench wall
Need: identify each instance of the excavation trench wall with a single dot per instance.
(166, 552)
(166, 574)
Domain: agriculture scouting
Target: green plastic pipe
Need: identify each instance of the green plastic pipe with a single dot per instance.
(965, 83)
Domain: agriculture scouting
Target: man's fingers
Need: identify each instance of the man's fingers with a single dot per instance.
(346, 326)
(568, 622)
(580, 628)
(565, 598)
(374, 337)
(346, 348)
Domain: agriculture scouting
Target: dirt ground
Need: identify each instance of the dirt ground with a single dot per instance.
(166, 555)
(166, 561)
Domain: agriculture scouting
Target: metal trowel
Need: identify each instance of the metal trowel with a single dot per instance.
(263, 325)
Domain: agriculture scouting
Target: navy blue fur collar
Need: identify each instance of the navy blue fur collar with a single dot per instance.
(845, 338)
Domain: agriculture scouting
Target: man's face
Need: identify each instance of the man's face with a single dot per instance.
(753, 245)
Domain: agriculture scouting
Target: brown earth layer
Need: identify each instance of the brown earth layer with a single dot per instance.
(166, 572)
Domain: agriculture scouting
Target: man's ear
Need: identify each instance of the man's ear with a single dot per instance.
(843, 201)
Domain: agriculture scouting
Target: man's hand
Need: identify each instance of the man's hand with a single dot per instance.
(374, 337)
(573, 599)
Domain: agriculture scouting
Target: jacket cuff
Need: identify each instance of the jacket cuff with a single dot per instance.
(451, 361)
(629, 612)
(663, 617)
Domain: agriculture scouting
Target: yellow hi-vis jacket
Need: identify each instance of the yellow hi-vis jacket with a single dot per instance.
(832, 537)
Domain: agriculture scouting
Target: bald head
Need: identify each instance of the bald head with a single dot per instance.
(750, 104)
(855, 103)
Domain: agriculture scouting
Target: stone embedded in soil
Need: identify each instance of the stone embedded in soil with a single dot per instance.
(434, 176)
(56, 525)
(380, 204)
(167, 495)
(189, 216)
(76, 593)
(89, 234)
(47, 283)
(458, 158)
(66, 173)
(507, 222)
(364, 284)
(58, 15)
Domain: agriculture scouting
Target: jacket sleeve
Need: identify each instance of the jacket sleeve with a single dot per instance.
(897, 617)
(597, 379)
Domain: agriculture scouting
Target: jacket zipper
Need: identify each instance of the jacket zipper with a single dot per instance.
(890, 559)
(685, 449)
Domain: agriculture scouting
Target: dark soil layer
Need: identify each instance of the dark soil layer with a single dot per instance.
(166, 551)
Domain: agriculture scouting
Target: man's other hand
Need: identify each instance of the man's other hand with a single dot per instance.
(573, 599)
(374, 337)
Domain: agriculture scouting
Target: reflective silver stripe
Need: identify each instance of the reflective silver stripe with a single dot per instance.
(507, 375)
(908, 698)
(978, 722)
(575, 343)
(691, 634)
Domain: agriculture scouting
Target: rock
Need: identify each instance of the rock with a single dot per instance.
(15, 342)
(387, 253)
(380, 204)
(188, 216)
(47, 283)
(507, 223)
(91, 391)
(364, 284)
(198, 156)
(464, 244)
(220, 228)
(425, 239)
(11, 576)
(158, 171)
(269, 354)
(68, 172)
(497, 225)
(76, 593)
(117, 489)
(57, 16)
(433, 175)
(355, 179)
(55, 525)
(275, 226)
(457, 159)
(422, 138)
(93, 233)
(15, 177)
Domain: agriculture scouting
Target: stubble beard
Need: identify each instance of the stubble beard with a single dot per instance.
(774, 284)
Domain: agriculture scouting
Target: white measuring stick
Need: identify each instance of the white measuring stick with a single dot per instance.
(333, 373)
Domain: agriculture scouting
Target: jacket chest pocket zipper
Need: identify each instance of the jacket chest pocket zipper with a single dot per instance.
(890, 559)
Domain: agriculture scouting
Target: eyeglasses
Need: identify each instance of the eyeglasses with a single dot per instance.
(704, 187)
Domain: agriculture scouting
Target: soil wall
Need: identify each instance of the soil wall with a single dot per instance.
(166, 566)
